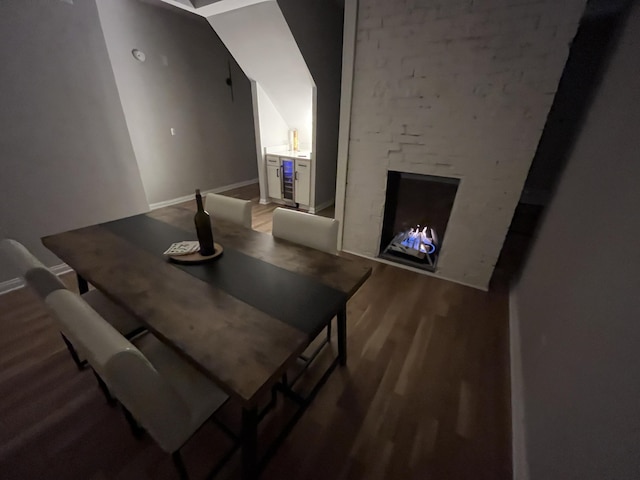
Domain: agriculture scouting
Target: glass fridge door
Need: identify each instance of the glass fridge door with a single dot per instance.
(288, 177)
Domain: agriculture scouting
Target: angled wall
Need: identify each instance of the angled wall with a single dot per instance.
(317, 27)
(577, 301)
(259, 39)
(66, 155)
(181, 86)
(258, 36)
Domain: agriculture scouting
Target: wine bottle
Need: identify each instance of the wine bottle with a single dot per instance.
(203, 228)
(296, 146)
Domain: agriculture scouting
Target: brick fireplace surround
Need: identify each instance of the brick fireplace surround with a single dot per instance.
(456, 88)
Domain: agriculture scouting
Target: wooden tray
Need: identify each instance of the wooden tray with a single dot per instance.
(194, 258)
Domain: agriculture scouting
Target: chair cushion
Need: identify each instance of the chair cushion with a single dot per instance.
(162, 391)
(200, 394)
(228, 208)
(306, 229)
(18, 255)
(43, 281)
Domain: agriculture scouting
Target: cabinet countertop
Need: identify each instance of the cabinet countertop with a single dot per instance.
(302, 154)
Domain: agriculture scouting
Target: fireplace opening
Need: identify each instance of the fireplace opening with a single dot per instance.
(416, 213)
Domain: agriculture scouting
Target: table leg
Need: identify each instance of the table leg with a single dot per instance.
(83, 286)
(342, 335)
(250, 443)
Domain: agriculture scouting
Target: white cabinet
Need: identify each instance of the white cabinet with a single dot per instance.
(289, 177)
(303, 182)
(273, 181)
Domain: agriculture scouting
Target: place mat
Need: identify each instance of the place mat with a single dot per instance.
(196, 257)
(298, 300)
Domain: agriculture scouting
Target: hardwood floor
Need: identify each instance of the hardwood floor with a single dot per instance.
(261, 213)
(425, 395)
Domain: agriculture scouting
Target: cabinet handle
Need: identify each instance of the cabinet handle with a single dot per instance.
(296, 175)
(278, 173)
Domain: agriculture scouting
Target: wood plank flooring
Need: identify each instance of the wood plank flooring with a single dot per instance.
(425, 395)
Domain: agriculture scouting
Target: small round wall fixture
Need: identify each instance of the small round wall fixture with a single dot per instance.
(138, 55)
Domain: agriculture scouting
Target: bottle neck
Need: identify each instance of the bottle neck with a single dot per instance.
(199, 202)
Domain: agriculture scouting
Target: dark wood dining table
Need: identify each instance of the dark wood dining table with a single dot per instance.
(242, 319)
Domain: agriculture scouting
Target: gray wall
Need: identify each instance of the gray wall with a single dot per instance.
(577, 301)
(317, 27)
(582, 74)
(66, 158)
(214, 142)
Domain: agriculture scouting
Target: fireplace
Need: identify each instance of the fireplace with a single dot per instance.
(416, 213)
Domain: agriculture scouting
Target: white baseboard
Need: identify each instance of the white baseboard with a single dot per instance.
(282, 203)
(322, 206)
(416, 270)
(17, 283)
(10, 285)
(518, 437)
(225, 188)
(301, 207)
(61, 269)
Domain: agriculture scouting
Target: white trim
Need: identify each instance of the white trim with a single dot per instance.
(17, 283)
(322, 206)
(215, 8)
(518, 434)
(61, 269)
(416, 270)
(180, 5)
(348, 61)
(260, 161)
(11, 285)
(223, 6)
(300, 206)
(186, 198)
(314, 145)
(277, 201)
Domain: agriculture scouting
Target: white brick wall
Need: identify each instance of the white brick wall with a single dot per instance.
(459, 88)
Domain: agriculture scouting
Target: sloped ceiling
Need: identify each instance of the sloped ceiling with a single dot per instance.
(257, 35)
(206, 8)
(259, 39)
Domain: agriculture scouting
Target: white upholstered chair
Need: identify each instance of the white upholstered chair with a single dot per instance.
(18, 255)
(165, 394)
(227, 208)
(309, 230)
(305, 229)
(43, 282)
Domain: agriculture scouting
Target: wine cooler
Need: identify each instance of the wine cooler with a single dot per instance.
(288, 179)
